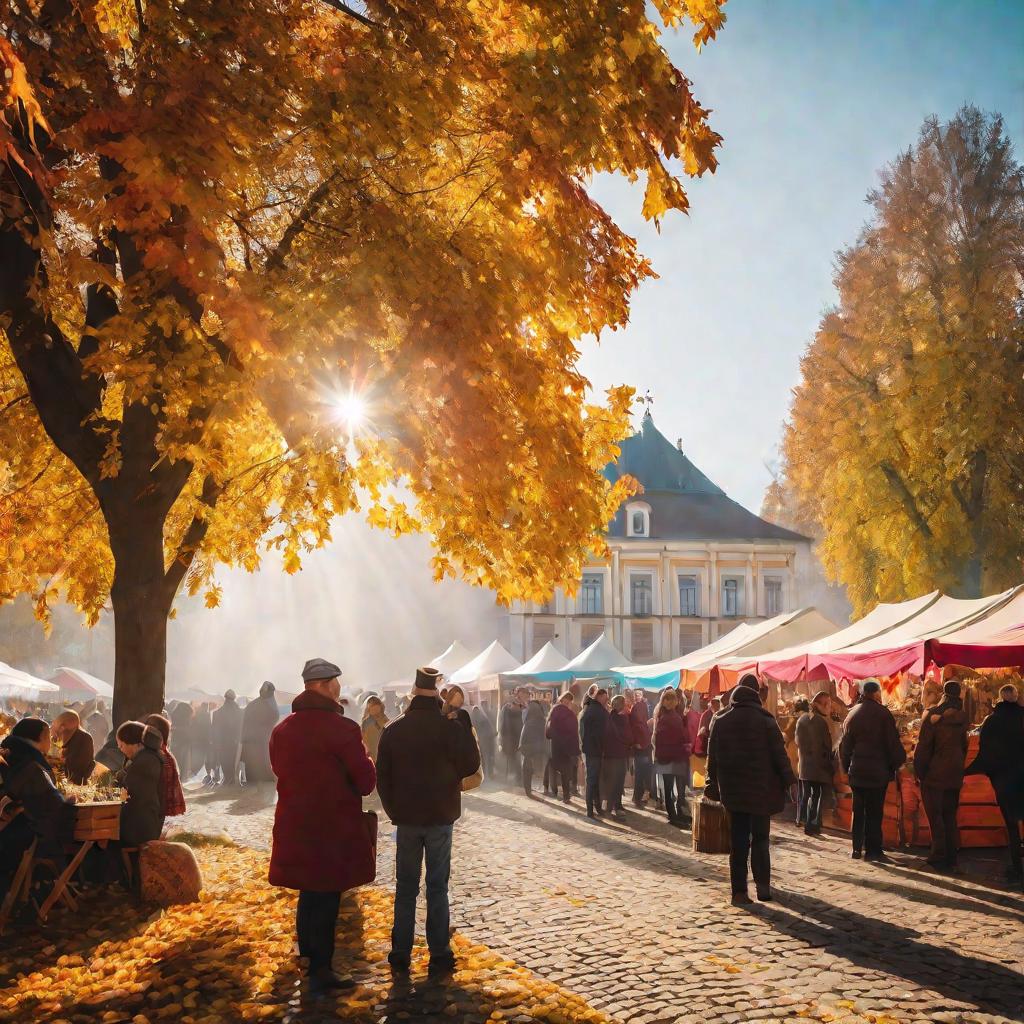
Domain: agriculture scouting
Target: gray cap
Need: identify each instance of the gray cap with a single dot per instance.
(317, 668)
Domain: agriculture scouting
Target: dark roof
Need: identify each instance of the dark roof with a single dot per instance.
(685, 504)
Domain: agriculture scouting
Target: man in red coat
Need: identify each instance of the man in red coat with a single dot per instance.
(321, 845)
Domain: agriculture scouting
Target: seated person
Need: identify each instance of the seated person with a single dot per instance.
(142, 817)
(77, 747)
(27, 778)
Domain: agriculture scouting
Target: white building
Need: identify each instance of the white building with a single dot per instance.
(687, 563)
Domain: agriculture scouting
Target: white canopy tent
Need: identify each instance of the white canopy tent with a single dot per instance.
(73, 681)
(492, 660)
(601, 656)
(452, 660)
(548, 659)
(15, 683)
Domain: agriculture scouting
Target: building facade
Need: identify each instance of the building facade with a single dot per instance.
(687, 563)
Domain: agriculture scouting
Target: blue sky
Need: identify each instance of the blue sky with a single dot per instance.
(812, 97)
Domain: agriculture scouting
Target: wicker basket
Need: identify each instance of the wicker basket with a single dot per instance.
(96, 821)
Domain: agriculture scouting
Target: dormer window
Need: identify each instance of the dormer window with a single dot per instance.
(638, 520)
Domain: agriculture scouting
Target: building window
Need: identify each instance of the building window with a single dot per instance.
(543, 633)
(689, 596)
(592, 594)
(691, 637)
(732, 596)
(641, 595)
(642, 641)
(589, 634)
(638, 521)
(547, 607)
(772, 596)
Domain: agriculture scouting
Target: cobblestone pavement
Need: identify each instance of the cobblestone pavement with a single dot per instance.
(640, 926)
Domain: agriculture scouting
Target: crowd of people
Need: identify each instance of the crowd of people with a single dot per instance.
(732, 753)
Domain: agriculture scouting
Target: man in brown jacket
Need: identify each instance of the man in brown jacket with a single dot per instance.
(77, 747)
(939, 764)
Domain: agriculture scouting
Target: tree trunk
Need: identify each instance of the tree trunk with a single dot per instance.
(971, 577)
(141, 604)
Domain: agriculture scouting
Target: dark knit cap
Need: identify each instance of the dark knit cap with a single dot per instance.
(750, 682)
(871, 686)
(426, 678)
(952, 688)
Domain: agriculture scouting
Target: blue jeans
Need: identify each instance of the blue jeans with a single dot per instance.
(415, 842)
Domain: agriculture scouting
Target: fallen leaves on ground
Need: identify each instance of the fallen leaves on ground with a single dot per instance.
(230, 957)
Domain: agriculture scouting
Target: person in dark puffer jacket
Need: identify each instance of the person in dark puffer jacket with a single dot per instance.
(749, 771)
(939, 763)
(617, 748)
(593, 728)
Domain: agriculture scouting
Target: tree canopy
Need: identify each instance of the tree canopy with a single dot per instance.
(905, 444)
(215, 218)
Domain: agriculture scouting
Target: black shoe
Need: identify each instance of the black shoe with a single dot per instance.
(741, 899)
(398, 964)
(765, 895)
(323, 982)
(856, 855)
(592, 815)
(878, 858)
(441, 967)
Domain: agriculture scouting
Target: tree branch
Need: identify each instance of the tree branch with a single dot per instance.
(906, 499)
(344, 8)
(193, 537)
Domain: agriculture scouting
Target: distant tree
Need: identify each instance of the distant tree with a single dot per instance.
(215, 216)
(906, 437)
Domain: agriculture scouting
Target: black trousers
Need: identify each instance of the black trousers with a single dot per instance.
(1012, 822)
(750, 840)
(528, 774)
(315, 921)
(868, 805)
(563, 768)
(940, 805)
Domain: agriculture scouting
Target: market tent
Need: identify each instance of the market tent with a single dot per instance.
(490, 661)
(601, 656)
(15, 683)
(994, 641)
(902, 649)
(74, 682)
(452, 660)
(804, 660)
(548, 659)
(661, 672)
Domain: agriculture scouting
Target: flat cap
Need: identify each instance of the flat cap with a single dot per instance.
(318, 668)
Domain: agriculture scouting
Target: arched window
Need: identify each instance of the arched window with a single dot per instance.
(638, 520)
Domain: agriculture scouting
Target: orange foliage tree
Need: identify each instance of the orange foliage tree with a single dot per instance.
(216, 216)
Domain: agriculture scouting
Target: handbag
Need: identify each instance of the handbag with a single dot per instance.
(475, 780)
(370, 824)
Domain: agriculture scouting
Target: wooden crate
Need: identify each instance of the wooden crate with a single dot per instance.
(100, 820)
(710, 827)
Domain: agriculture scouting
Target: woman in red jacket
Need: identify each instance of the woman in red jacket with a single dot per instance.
(672, 756)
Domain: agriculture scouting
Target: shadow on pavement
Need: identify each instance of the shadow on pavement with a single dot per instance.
(886, 946)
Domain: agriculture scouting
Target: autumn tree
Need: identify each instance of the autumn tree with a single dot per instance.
(217, 217)
(906, 438)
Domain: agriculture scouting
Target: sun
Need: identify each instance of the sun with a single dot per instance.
(351, 409)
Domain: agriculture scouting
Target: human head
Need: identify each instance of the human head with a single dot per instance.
(601, 696)
(669, 699)
(592, 690)
(456, 696)
(267, 689)
(323, 677)
(374, 707)
(162, 726)
(716, 703)
(822, 701)
(229, 695)
(619, 702)
(750, 682)
(34, 731)
(566, 698)
(801, 705)
(65, 725)
(521, 695)
(129, 737)
(872, 691)
(1008, 694)
(952, 688)
(426, 682)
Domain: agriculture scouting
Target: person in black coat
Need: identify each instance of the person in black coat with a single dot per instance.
(1001, 758)
(421, 762)
(227, 737)
(486, 735)
(749, 772)
(258, 721)
(533, 744)
(871, 753)
(27, 778)
(142, 816)
(593, 727)
(618, 745)
(510, 727)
